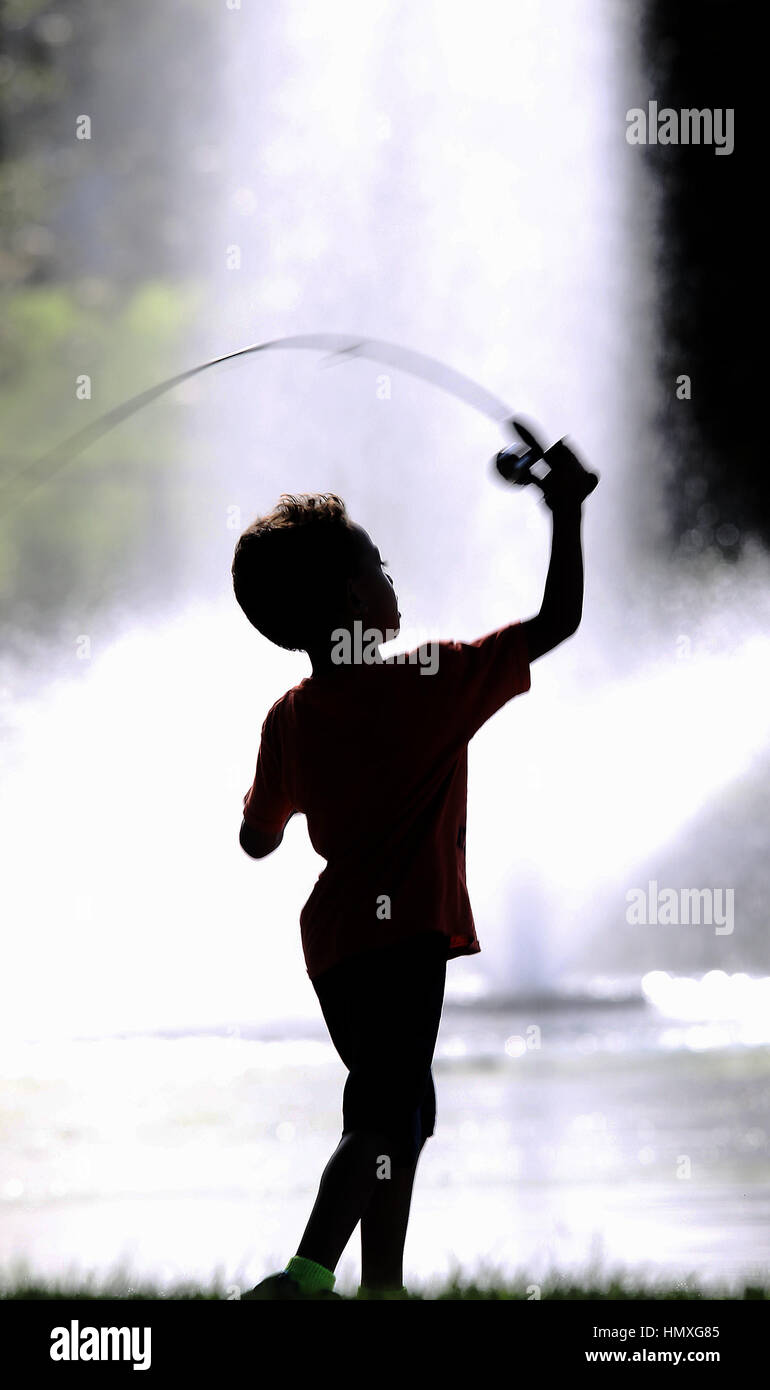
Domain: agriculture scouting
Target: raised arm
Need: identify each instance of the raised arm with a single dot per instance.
(562, 606)
(564, 491)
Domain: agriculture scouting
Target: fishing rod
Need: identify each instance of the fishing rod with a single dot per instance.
(514, 462)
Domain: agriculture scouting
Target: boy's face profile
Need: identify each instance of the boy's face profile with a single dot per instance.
(371, 595)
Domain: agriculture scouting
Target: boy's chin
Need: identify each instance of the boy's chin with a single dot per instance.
(389, 627)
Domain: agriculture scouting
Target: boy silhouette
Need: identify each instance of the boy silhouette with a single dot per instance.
(373, 751)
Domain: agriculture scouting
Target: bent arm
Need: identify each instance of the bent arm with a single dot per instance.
(562, 606)
(256, 843)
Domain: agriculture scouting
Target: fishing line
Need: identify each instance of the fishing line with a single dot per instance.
(513, 462)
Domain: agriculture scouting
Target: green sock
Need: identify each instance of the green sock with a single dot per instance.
(309, 1275)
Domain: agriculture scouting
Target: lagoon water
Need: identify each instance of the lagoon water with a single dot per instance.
(613, 1138)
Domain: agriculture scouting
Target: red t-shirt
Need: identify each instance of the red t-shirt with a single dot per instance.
(376, 757)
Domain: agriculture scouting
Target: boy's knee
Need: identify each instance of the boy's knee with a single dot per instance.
(399, 1109)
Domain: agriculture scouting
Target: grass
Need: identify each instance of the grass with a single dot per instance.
(591, 1286)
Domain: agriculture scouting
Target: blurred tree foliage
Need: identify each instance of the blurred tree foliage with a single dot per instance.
(98, 275)
(109, 529)
(148, 79)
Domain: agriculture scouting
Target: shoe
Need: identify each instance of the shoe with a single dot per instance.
(283, 1286)
(275, 1286)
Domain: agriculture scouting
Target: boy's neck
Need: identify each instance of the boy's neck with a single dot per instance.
(324, 666)
(323, 662)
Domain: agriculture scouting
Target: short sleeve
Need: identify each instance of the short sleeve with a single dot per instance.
(486, 674)
(266, 805)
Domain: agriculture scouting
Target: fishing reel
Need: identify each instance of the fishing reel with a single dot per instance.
(518, 463)
(515, 461)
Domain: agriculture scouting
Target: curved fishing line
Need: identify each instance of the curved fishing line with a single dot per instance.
(342, 346)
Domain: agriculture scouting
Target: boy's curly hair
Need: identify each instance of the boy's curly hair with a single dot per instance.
(290, 568)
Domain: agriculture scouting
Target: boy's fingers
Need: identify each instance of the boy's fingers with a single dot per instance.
(525, 433)
(560, 455)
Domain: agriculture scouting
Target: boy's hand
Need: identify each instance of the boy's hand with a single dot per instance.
(568, 483)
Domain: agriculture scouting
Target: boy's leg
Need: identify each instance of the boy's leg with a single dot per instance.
(383, 1230)
(384, 1223)
(349, 1181)
(346, 1188)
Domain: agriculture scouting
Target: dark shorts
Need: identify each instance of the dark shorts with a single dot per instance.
(383, 1009)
